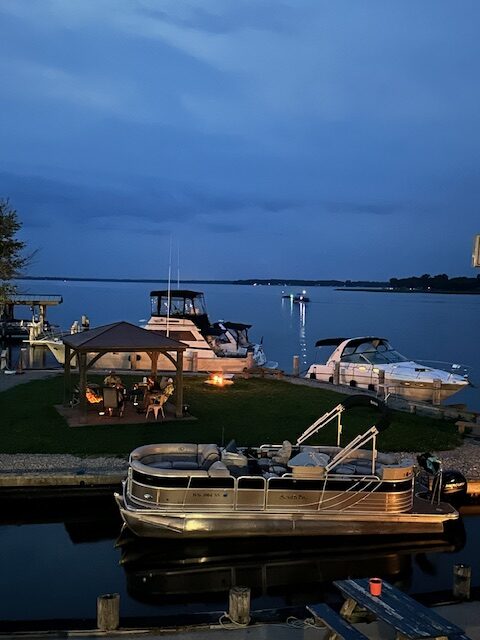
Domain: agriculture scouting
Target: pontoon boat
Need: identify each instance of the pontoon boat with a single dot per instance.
(207, 491)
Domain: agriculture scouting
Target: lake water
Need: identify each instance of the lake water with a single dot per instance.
(429, 327)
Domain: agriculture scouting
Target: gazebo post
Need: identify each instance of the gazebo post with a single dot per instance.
(179, 394)
(154, 358)
(67, 378)
(82, 382)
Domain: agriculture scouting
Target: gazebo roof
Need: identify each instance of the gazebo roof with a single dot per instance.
(121, 336)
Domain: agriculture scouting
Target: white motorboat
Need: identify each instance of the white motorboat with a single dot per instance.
(370, 362)
(206, 491)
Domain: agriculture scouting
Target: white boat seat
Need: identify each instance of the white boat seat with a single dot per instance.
(231, 459)
(284, 453)
(207, 455)
(218, 469)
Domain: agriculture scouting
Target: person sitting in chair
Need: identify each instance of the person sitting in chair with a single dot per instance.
(153, 390)
(169, 388)
(112, 380)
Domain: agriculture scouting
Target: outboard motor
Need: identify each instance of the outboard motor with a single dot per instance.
(448, 486)
(454, 487)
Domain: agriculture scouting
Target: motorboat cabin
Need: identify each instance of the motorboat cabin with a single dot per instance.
(209, 491)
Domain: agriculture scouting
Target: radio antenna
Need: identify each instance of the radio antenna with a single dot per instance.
(168, 287)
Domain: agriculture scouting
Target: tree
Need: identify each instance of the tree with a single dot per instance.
(12, 260)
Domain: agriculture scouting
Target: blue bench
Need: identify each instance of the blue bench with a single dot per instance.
(410, 618)
(339, 627)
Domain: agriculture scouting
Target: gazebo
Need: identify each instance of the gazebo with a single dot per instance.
(89, 346)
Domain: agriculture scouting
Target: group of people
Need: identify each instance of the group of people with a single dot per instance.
(152, 389)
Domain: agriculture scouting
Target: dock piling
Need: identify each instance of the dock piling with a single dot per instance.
(108, 612)
(296, 366)
(239, 605)
(462, 575)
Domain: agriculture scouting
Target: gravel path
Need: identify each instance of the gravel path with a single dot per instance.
(19, 463)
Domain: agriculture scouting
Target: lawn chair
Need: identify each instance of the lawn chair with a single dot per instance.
(112, 401)
(156, 405)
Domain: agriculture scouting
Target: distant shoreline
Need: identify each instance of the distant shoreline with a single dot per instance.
(391, 290)
(339, 285)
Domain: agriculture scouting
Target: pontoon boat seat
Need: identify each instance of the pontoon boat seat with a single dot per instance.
(218, 469)
(177, 456)
(284, 453)
(232, 457)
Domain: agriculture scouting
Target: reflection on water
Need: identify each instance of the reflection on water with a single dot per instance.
(297, 314)
(60, 555)
(296, 571)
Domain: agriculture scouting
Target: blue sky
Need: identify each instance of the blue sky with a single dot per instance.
(258, 138)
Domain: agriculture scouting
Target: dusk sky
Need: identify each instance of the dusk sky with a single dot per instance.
(258, 138)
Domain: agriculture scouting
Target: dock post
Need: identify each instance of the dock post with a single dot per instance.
(239, 605)
(336, 373)
(250, 361)
(3, 359)
(296, 366)
(462, 576)
(108, 612)
(436, 393)
(381, 384)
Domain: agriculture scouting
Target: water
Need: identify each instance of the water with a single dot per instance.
(60, 556)
(429, 327)
(60, 561)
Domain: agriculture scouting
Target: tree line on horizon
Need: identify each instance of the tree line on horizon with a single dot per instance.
(440, 282)
(426, 282)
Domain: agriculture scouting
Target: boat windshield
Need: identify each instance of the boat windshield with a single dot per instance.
(373, 352)
(179, 305)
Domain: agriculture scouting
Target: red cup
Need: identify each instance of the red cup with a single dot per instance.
(375, 585)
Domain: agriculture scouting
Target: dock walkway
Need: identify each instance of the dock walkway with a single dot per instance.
(466, 615)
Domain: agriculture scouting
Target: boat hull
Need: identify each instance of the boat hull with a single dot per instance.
(159, 523)
(414, 390)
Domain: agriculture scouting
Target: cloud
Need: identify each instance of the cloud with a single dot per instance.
(377, 209)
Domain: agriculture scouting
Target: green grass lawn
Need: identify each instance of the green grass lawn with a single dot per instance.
(252, 411)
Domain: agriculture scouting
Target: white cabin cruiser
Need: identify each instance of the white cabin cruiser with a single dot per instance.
(206, 491)
(362, 362)
(220, 346)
